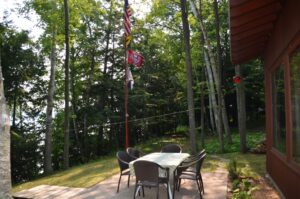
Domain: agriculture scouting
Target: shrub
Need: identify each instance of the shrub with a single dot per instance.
(232, 169)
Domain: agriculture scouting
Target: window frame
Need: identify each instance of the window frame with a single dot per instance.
(282, 155)
(294, 45)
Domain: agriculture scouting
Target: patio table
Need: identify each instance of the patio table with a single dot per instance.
(167, 160)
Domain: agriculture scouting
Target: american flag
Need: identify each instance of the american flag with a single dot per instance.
(127, 15)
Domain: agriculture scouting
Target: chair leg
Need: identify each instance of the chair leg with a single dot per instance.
(119, 183)
(199, 189)
(128, 180)
(202, 183)
(168, 191)
(174, 187)
(157, 194)
(179, 183)
(135, 190)
(143, 191)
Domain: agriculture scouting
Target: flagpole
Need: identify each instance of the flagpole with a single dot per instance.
(126, 90)
(126, 99)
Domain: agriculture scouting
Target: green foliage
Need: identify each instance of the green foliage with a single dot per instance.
(212, 145)
(241, 195)
(242, 189)
(182, 129)
(232, 169)
(23, 70)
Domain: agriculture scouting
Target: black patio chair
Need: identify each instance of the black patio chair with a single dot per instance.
(181, 172)
(133, 153)
(123, 160)
(171, 148)
(147, 175)
(191, 159)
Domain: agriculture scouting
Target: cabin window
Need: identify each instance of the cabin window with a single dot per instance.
(279, 131)
(295, 99)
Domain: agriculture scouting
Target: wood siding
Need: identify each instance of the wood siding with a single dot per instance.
(270, 29)
(284, 39)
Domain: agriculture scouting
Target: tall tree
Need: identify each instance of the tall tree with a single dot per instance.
(5, 174)
(219, 61)
(214, 68)
(241, 106)
(66, 116)
(49, 15)
(49, 126)
(188, 63)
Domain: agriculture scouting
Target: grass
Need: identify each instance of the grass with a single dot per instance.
(79, 176)
(247, 164)
(213, 147)
(94, 172)
(253, 165)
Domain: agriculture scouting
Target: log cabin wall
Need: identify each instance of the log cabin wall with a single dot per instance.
(270, 29)
(284, 39)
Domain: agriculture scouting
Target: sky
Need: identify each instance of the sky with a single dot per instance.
(139, 10)
(17, 20)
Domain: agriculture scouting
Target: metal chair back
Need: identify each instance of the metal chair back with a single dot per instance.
(133, 153)
(123, 160)
(171, 148)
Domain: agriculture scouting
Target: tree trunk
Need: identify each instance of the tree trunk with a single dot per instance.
(240, 95)
(49, 128)
(104, 94)
(211, 114)
(215, 109)
(214, 68)
(219, 59)
(188, 62)
(112, 128)
(74, 105)
(14, 108)
(202, 109)
(225, 120)
(211, 92)
(5, 172)
(66, 121)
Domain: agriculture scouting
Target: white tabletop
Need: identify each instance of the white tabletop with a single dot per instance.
(169, 160)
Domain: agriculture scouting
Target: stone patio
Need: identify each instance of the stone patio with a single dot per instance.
(215, 185)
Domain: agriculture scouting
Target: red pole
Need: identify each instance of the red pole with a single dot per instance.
(126, 34)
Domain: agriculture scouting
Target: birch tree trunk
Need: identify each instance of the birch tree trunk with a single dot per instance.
(219, 59)
(241, 106)
(188, 62)
(66, 119)
(212, 94)
(202, 109)
(211, 114)
(214, 68)
(5, 172)
(49, 127)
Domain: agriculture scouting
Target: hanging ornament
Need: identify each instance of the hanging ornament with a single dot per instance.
(236, 79)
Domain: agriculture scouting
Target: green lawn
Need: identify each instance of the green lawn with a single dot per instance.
(80, 176)
(94, 172)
